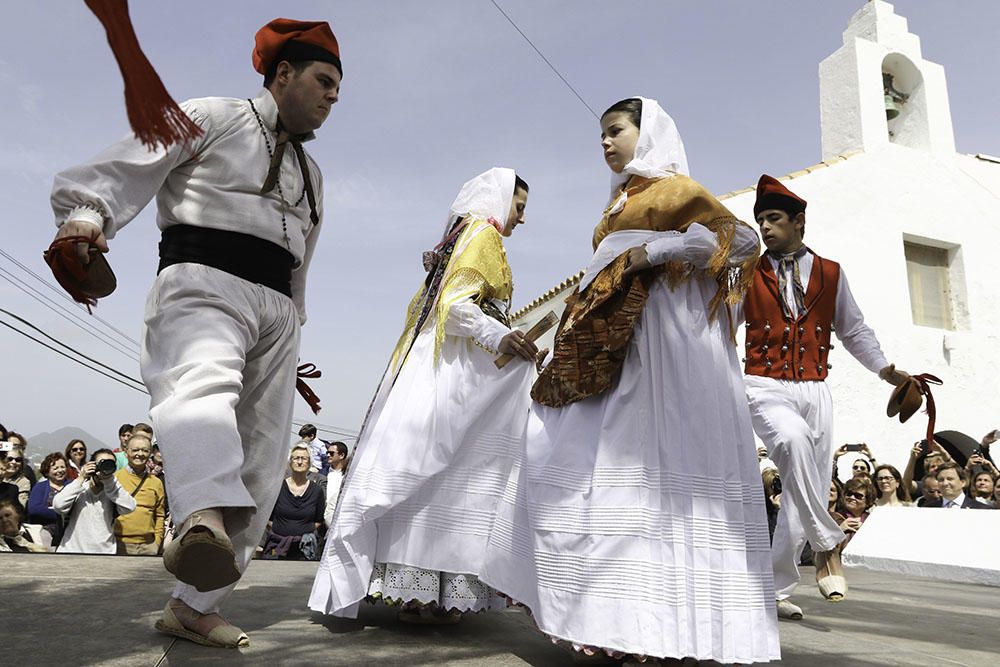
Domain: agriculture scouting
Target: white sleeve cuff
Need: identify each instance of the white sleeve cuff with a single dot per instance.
(86, 214)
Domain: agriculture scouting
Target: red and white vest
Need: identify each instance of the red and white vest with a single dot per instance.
(785, 348)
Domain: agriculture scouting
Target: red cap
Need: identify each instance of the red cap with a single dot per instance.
(772, 194)
(295, 41)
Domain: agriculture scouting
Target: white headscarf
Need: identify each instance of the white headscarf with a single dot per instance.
(659, 152)
(488, 196)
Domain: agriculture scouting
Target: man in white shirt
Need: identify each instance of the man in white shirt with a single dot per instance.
(240, 210)
(797, 300)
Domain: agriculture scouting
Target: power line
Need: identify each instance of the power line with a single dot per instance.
(62, 293)
(542, 56)
(59, 342)
(62, 312)
(44, 344)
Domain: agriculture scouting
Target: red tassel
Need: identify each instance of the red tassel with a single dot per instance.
(154, 116)
(308, 371)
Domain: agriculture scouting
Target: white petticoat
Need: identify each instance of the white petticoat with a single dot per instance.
(428, 471)
(636, 521)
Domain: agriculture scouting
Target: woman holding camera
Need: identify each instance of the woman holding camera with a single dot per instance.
(88, 504)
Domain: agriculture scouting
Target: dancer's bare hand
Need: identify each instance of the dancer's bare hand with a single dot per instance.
(893, 376)
(637, 260)
(515, 343)
(79, 228)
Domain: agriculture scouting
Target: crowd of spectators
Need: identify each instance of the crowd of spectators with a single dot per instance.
(944, 482)
(115, 502)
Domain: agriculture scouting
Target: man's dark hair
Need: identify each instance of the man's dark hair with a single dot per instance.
(272, 71)
(3, 432)
(124, 428)
(102, 450)
(631, 106)
(142, 427)
(341, 447)
(520, 184)
(307, 431)
(951, 465)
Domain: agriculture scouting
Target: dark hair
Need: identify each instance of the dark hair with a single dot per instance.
(102, 450)
(142, 427)
(272, 71)
(14, 434)
(307, 431)
(631, 106)
(124, 428)
(970, 489)
(856, 484)
(3, 432)
(902, 493)
(520, 184)
(951, 465)
(70, 446)
(49, 460)
(16, 504)
(341, 447)
(868, 465)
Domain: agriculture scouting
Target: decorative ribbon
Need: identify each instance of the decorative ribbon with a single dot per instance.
(925, 380)
(308, 371)
(274, 169)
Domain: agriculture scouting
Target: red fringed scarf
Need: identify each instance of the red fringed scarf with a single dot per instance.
(154, 116)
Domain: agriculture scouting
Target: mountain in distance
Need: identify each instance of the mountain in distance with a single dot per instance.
(43, 444)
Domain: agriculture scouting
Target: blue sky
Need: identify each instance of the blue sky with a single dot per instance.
(434, 92)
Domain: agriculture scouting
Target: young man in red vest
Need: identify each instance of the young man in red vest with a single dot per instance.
(796, 301)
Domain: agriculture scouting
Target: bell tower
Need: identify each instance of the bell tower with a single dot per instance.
(877, 90)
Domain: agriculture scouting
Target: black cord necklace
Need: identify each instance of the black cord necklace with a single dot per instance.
(281, 193)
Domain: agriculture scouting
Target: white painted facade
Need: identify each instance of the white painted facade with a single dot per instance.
(873, 192)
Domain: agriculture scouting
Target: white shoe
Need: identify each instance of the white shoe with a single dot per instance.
(788, 611)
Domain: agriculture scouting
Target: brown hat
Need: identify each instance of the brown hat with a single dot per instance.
(772, 194)
(295, 41)
(905, 400)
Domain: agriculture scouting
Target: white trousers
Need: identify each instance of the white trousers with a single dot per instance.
(219, 358)
(795, 420)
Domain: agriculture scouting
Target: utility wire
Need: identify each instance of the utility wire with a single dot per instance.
(59, 342)
(86, 327)
(542, 56)
(57, 351)
(62, 293)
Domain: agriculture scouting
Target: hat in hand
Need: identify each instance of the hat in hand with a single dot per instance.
(86, 283)
(905, 400)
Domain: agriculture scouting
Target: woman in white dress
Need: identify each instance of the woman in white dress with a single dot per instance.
(436, 449)
(636, 520)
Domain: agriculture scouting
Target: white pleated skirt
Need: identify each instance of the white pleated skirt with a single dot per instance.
(634, 521)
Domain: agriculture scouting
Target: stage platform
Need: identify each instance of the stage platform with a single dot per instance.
(99, 610)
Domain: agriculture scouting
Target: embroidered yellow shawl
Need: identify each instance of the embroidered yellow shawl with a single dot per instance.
(477, 268)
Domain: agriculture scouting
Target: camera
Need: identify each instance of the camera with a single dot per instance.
(856, 447)
(776, 486)
(6, 446)
(106, 467)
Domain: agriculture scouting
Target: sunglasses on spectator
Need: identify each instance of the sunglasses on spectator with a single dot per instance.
(78, 449)
(855, 495)
(15, 459)
(860, 466)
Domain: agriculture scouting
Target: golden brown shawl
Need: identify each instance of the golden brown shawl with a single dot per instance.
(597, 325)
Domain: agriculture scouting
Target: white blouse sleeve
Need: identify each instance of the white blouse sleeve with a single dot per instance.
(857, 337)
(698, 244)
(467, 320)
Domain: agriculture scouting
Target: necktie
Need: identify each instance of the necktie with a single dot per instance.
(790, 264)
(274, 169)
